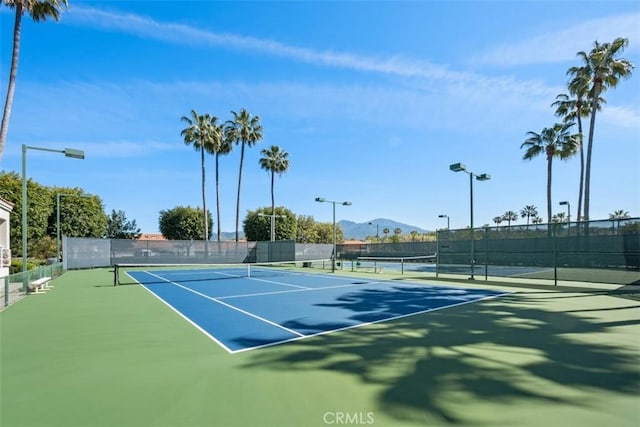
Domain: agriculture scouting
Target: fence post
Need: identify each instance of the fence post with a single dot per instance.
(437, 252)
(486, 254)
(554, 235)
(6, 291)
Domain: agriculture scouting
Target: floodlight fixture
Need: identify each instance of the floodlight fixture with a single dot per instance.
(73, 153)
(458, 167)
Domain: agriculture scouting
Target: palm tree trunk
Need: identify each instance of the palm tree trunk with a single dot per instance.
(273, 199)
(13, 73)
(581, 189)
(239, 186)
(549, 162)
(273, 209)
(592, 125)
(204, 198)
(218, 197)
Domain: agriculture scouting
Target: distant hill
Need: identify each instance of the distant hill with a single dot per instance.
(351, 230)
(359, 231)
(227, 236)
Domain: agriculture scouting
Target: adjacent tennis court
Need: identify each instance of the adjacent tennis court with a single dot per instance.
(245, 307)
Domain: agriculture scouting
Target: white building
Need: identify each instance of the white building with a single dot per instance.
(5, 252)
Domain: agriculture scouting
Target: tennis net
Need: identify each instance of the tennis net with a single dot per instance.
(128, 274)
(412, 263)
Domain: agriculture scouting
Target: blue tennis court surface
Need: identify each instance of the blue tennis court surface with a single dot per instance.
(244, 313)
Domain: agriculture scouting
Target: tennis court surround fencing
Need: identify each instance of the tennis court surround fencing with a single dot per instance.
(592, 251)
(81, 252)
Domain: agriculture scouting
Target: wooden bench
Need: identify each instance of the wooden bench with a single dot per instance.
(40, 285)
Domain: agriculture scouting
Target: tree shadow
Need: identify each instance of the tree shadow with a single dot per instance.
(433, 366)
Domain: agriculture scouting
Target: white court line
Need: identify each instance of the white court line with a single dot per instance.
(228, 305)
(277, 283)
(299, 290)
(235, 276)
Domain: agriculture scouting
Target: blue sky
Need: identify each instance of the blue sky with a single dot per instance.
(372, 101)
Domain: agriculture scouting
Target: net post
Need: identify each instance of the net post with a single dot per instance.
(115, 274)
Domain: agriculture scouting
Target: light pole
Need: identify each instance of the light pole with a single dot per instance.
(445, 216)
(68, 152)
(568, 205)
(335, 253)
(377, 231)
(58, 259)
(460, 167)
(273, 223)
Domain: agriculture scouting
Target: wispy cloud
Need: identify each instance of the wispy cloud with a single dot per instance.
(562, 45)
(188, 35)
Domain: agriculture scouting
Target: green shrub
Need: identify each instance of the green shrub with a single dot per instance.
(16, 266)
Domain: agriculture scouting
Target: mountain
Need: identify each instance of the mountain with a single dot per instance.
(359, 231)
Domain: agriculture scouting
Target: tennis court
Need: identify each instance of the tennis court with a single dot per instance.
(248, 307)
(88, 353)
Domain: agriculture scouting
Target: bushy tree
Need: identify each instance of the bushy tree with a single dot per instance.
(258, 227)
(306, 231)
(183, 223)
(39, 208)
(118, 227)
(324, 231)
(81, 215)
(42, 248)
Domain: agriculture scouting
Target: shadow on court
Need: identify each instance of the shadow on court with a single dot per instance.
(492, 362)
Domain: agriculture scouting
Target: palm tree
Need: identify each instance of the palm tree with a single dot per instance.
(556, 142)
(510, 216)
(39, 11)
(276, 161)
(386, 231)
(529, 212)
(220, 146)
(619, 215)
(605, 71)
(559, 218)
(498, 220)
(244, 130)
(574, 109)
(537, 220)
(200, 132)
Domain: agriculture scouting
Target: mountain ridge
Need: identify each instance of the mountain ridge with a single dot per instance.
(359, 231)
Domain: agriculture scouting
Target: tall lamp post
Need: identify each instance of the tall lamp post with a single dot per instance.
(460, 167)
(273, 223)
(68, 152)
(445, 216)
(335, 253)
(377, 231)
(58, 233)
